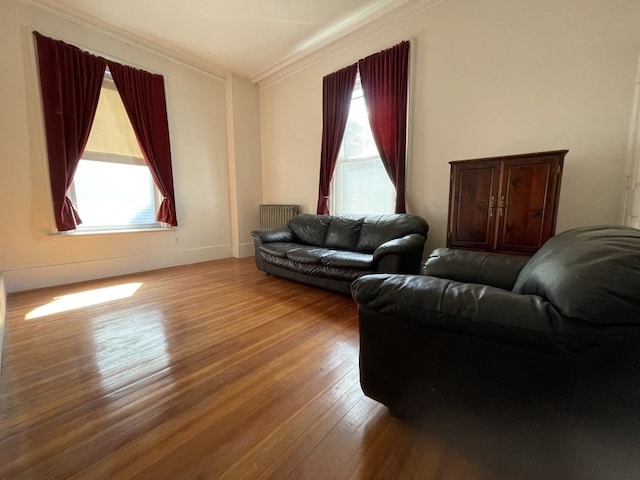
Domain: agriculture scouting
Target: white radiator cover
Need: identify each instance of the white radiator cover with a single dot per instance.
(275, 216)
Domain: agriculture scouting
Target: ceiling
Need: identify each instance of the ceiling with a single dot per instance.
(253, 38)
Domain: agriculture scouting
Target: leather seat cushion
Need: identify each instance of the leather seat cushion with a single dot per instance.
(342, 259)
(316, 270)
(307, 255)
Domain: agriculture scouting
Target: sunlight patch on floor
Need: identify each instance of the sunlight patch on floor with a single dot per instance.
(129, 346)
(75, 301)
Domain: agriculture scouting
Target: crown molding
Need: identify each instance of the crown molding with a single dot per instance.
(141, 42)
(327, 46)
(338, 37)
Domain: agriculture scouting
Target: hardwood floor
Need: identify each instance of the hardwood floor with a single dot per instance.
(216, 370)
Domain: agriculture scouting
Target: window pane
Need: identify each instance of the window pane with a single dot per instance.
(111, 194)
(364, 188)
(358, 141)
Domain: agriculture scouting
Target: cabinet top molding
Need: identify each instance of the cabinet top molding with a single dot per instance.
(516, 156)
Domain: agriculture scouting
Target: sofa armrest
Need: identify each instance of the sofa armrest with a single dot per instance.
(496, 270)
(524, 321)
(402, 255)
(282, 234)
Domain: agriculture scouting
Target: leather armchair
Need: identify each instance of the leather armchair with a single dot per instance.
(492, 327)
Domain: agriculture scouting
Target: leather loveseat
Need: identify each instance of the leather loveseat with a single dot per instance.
(561, 327)
(331, 251)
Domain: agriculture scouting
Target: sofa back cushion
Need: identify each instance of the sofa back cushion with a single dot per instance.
(310, 229)
(343, 233)
(590, 274)
(378, 229)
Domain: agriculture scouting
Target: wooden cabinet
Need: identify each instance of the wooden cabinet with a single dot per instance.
(504, 204)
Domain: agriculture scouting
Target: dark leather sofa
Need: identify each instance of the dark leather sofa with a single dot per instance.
(561, 328)
(331, 251)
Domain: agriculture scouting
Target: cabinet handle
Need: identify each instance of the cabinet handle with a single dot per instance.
(492, 202)
(501, 206)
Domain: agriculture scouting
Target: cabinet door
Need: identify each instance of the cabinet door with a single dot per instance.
(527, 203)
(472, 204)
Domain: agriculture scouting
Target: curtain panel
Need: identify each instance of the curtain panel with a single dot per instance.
(143, 97)
(70, 82)
(337, 89)
(385, 78)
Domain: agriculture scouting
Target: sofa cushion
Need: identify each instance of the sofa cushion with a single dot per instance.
(310, 229)
(343, 233)
(307, 255)
(344, 259)
(378, 229)
(591, 274)
(315, 270)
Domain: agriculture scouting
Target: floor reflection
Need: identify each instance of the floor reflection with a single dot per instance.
(130, 347)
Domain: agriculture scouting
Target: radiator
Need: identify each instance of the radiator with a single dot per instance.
(274, 216)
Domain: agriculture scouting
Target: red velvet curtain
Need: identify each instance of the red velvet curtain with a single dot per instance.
(384, 78)
(336, 99)
(70, 82)
(143, 97)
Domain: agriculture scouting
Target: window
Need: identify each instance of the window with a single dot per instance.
(71, 90)
(113, 187)
(360, 183)
(384, 77)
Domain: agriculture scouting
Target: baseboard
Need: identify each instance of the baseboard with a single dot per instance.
(50, 275)
(243, 250)
(3, 313)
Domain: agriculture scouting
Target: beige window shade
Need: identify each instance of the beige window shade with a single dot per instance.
(112, 132)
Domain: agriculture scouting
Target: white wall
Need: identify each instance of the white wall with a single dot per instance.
(490, 78)
(29, 256)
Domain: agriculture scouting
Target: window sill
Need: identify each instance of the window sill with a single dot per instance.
(125, 231)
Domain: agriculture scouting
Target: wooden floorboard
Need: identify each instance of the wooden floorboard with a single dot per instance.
(216, 370)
